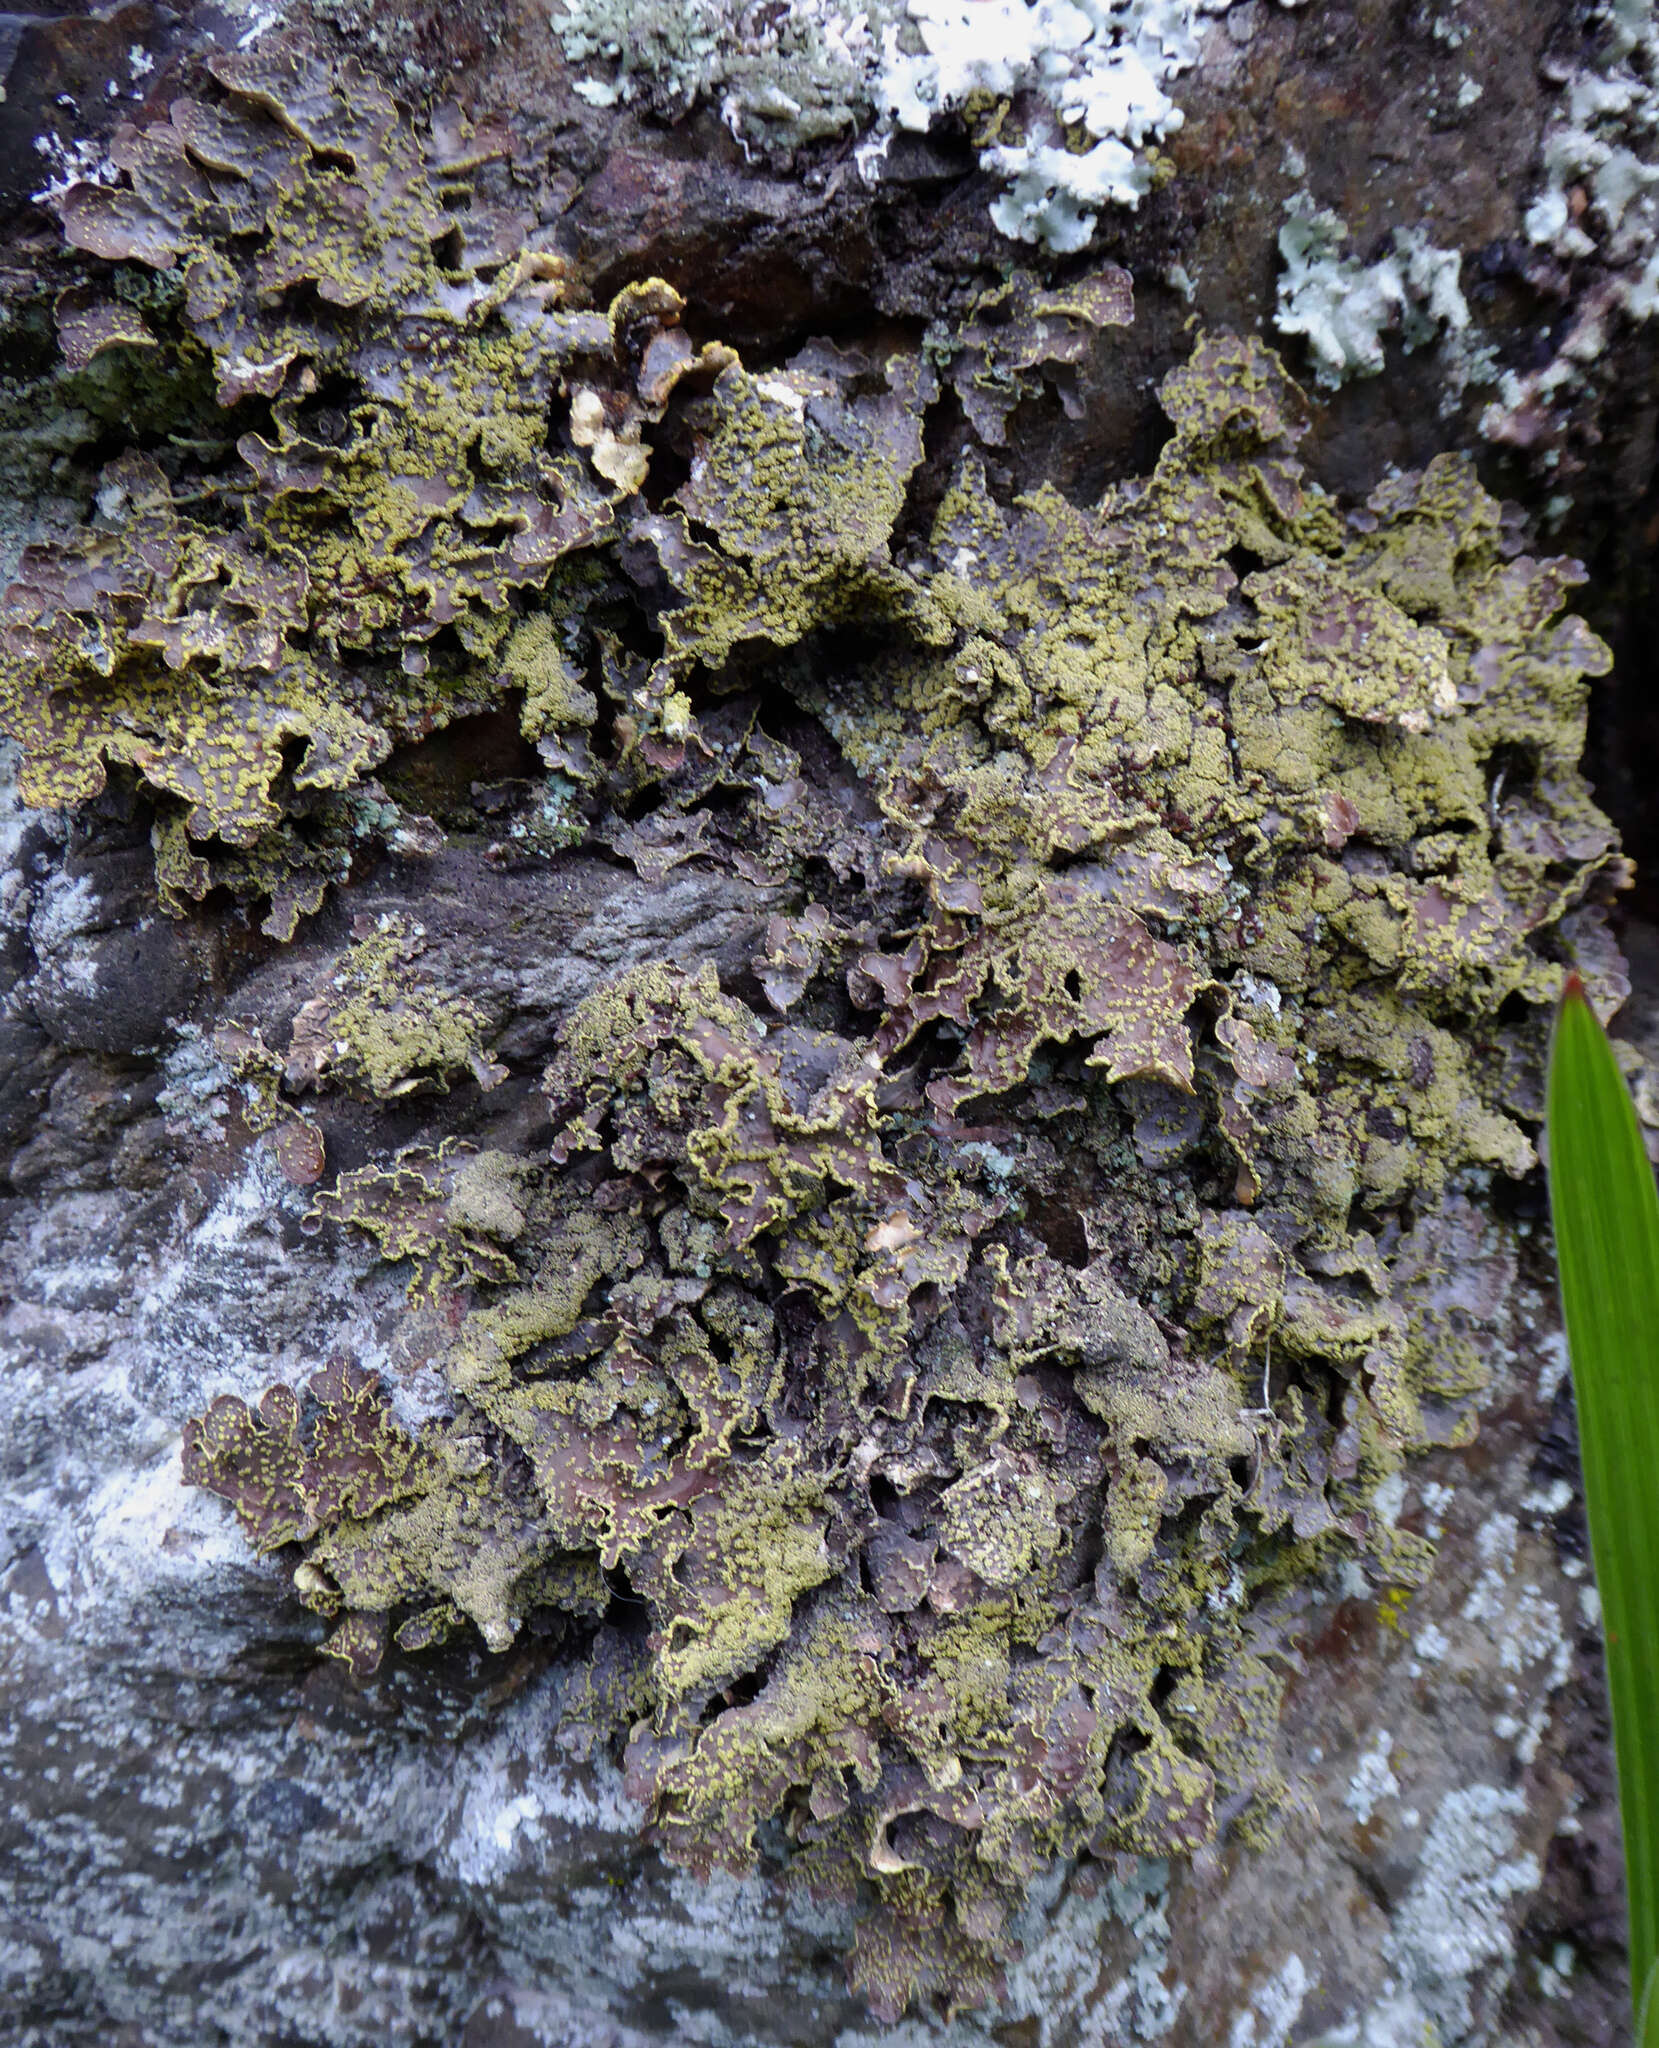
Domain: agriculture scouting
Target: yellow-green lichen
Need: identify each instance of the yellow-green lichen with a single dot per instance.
(431, 436)
(955, 1554)
(922, 1366)
(385, 1029)
(424, 1206)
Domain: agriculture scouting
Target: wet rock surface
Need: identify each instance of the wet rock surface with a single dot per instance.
(215, 1833)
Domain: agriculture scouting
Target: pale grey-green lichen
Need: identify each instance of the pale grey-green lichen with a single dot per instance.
(1342, 308)
(801, 69)
(1098, 72)
(1596, 203)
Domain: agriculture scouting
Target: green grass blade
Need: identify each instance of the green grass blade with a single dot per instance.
(1647, 2023)
(1606, 1216)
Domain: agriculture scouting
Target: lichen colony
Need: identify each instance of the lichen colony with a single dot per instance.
(923, 1371)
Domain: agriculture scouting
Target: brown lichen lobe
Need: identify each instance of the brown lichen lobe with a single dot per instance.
(922, 1375)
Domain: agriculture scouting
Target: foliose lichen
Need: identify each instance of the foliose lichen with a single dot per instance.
(1095, 77)
(918, 1373)
(386, 1029)
(1343, 307)
(254, 620)
(1593, 216)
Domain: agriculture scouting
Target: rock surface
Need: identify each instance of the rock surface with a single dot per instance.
(214, 1834)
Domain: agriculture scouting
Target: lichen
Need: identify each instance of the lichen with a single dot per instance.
(920, 1369)
(1602, 144)
(955, 1556)
(799, 69)
(425, 1206)
(1343, 307)
(1452, 1920)
(1593, 214)
(422, 430)
(384, 1028)
(1099, 73)
(1092, 80)
(1015, 328)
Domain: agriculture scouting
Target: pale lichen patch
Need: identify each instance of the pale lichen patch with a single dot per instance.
(1343, 308)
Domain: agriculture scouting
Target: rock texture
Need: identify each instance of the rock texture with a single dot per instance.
(215, 1833)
